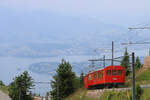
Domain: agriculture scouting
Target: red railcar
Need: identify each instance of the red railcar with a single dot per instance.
(108, 76)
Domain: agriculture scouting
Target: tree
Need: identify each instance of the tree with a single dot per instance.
(20, 87)
(138, 92)
(126, 62)
(47, 96)
(1, 83)
(137, 63)
(82, 80)
(63, 82)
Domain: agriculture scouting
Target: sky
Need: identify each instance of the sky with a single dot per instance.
(23, 19)
(113, 11)
(41, 21)
(32, 17)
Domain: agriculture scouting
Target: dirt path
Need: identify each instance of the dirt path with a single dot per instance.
(4, 96)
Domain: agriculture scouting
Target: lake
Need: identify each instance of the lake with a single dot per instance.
(12, 67)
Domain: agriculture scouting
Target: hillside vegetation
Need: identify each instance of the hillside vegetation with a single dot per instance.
(80, 94)
(108, 95)
(144, 77)
(3, 87)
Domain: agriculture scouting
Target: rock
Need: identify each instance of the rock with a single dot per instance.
(94, 93)
(146, 62)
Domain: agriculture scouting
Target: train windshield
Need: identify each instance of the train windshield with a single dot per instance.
(119, 72)
(108, 72)
(114, 72)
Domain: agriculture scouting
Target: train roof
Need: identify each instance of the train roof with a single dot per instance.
(103, 68)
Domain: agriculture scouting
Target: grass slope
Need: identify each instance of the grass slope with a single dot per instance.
(114, 95)
(141, 78)
(146, 94)
(4, 89)
(107, 95)
(80, 94)
(144, 77)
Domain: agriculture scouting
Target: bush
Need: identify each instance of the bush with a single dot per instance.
(114, 95)
(138, 92)
(1, 83)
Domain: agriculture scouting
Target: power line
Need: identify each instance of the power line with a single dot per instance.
(106, 50)
(131, 43)
(42, 82)
(131, 28)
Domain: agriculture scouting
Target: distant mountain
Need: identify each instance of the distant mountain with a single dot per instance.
(43, 67)
(49, 34)
(50, 67)
(77, 67)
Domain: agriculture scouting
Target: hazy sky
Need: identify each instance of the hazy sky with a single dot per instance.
(113, 11)
(24, 21)
(81, 6)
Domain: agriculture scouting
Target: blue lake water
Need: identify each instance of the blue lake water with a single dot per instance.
(11, 67)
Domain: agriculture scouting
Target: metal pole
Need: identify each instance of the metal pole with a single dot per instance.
(112, 63)
(58, 89)
(19, 93)
(104, 60)
(133, 77)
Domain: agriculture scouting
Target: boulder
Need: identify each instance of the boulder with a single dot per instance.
(146, 62)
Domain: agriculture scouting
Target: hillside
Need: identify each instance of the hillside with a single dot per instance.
(80, 94)
(142, 78)
(83, 94)
(108, 95)
(143, 75)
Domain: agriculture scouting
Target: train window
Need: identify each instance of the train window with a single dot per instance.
(114, 72)
(119, 72)
(96, 75)
(108, 72)
(90, 77)
(100, 74)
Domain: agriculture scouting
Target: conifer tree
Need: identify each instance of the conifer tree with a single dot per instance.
(126, 62)
(137, 63)
(1, 83)
(82, 79)
(20, 87)
(63, 83)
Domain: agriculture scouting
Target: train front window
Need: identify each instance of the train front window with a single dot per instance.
(119, 72)
(108, 72)
(114, 72)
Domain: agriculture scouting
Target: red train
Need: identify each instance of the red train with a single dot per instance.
(107, 77)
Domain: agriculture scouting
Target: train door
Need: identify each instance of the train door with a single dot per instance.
(101, 76)
(115, 77)
(108, 75)
(90, 79)
(121, 75)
